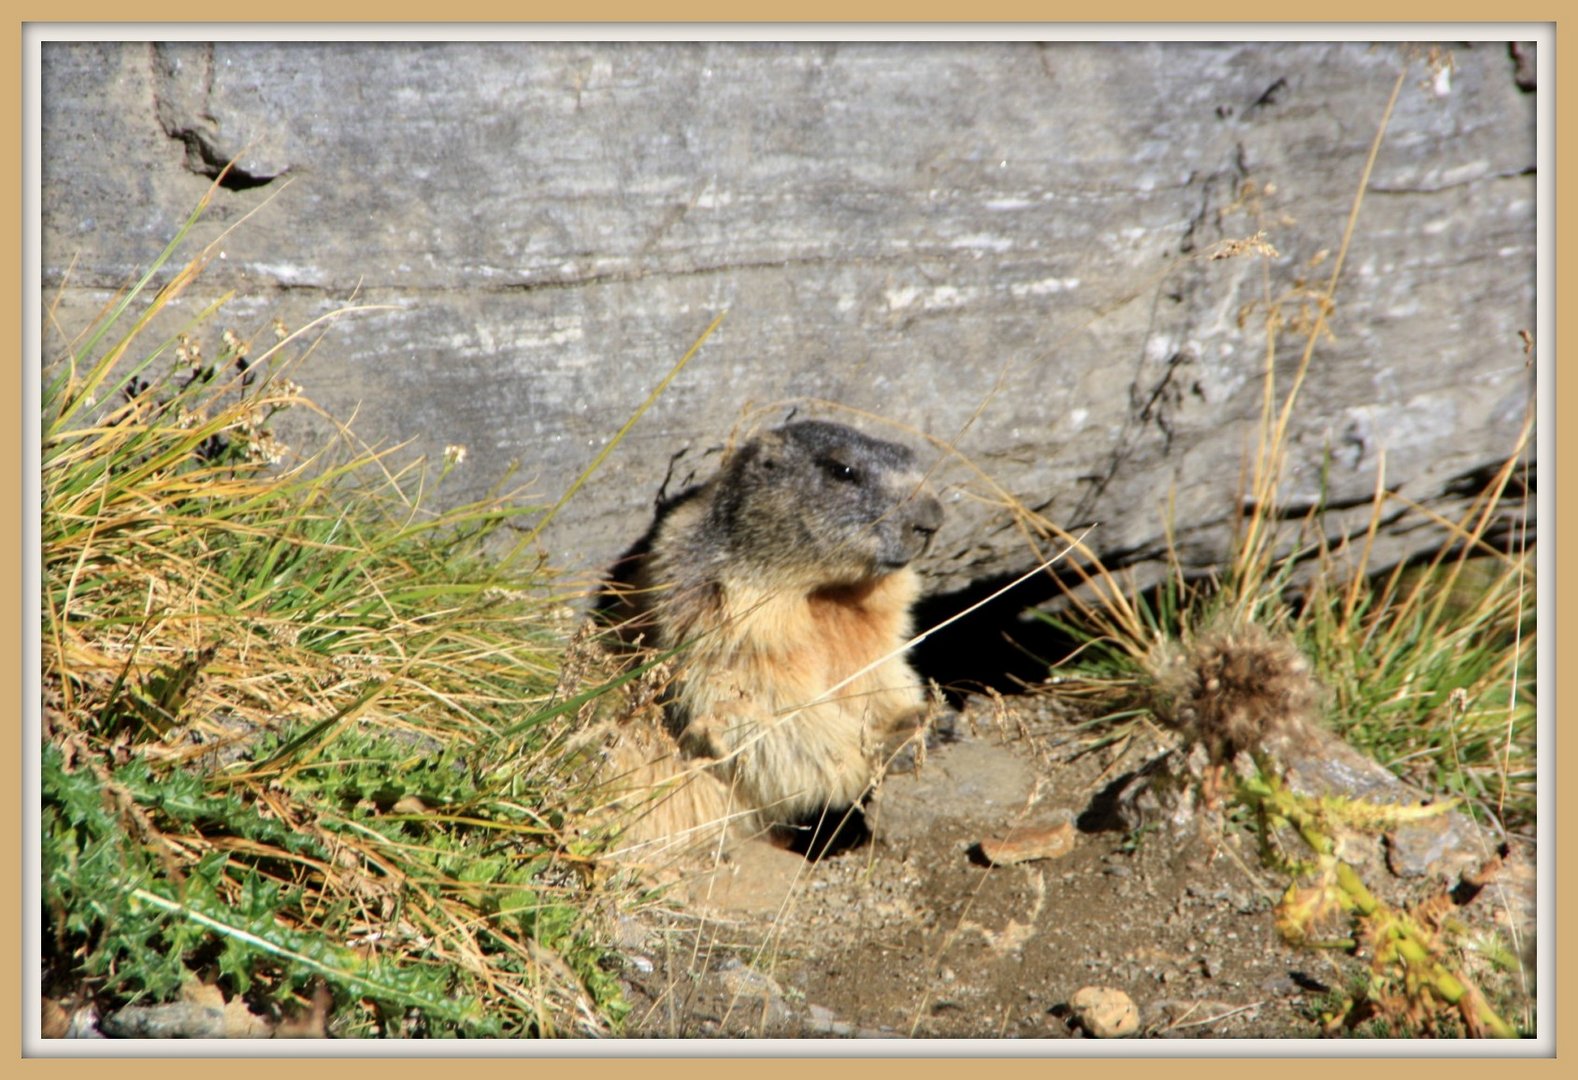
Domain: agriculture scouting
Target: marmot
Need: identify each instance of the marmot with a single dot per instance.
(784, 584)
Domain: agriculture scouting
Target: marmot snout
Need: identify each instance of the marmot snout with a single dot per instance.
(785, 583)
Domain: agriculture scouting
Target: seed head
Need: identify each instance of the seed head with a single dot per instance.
(1235, 688)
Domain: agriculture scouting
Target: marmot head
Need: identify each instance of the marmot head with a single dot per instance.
(824, 499)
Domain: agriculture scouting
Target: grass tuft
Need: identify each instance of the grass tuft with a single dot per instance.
(297, 728)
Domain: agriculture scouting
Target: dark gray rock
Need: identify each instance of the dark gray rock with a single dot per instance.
(999, 245)
(1441, 847)
(175, 1020)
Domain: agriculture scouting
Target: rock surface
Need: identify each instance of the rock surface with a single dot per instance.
(1003, 246)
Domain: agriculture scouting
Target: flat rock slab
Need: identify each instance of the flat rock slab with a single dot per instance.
(1003, 247)
(976, 784)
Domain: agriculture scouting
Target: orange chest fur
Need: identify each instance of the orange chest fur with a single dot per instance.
(802, 644)
(859, 625)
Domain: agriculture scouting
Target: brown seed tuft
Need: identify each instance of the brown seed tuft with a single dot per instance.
(1236, 688)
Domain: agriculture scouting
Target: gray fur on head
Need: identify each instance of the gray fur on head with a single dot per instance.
(823, 494)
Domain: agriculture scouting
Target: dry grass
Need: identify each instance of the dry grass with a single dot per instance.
(298, 730)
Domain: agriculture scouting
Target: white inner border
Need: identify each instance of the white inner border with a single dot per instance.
(34, 34)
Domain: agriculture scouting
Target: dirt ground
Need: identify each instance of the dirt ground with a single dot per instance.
(913, 932)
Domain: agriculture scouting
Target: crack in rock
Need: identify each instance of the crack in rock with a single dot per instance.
(183, 80)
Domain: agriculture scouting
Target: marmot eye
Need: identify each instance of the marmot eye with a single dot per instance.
(841, 472)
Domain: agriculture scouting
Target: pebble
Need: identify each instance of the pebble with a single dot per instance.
(824, 1021)
(1025, 845)
(748, 987)
(1104, 1012)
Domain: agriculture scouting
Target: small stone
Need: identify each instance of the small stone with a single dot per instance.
(1104, 1012)
(746, 986)
(172, 1020)
(1025, 845)
(1282, 984)
(84, 1024)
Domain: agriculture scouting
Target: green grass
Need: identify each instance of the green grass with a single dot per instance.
(1429, 668)
(298, 731)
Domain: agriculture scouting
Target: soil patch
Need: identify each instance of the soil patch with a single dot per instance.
(917, 933)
